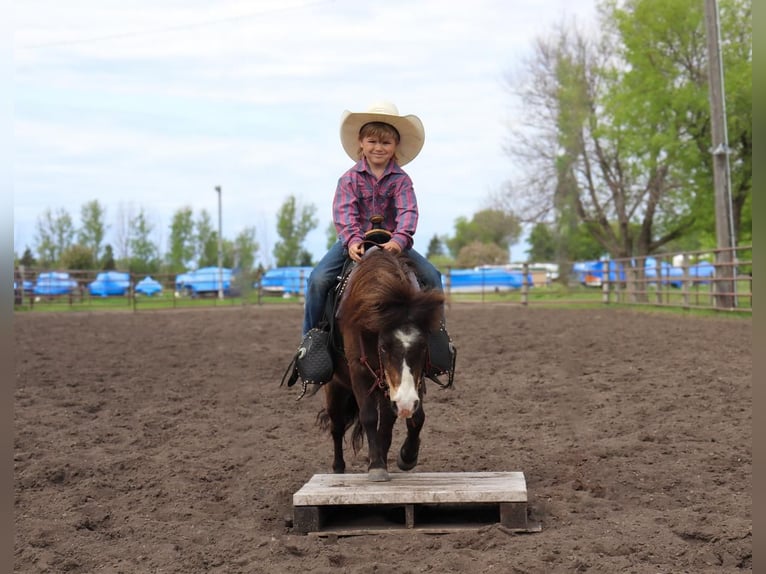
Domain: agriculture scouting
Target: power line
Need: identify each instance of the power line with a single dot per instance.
(177, 27)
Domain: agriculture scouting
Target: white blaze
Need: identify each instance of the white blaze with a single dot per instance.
(406, 395)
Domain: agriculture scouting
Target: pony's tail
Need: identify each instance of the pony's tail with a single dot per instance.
(357, 436)
(350, 417)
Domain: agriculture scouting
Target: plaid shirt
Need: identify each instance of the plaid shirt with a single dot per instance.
(360, 195)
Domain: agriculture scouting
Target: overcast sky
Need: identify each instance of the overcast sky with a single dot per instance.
(152, 103)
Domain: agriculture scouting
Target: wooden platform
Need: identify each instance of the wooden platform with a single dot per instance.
(429, 501)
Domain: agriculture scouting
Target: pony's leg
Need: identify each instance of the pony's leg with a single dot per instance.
(336, 400)
(370, 414)
(386, 428)
(408, 454)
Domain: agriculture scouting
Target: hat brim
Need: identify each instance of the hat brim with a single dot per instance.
(410, 128)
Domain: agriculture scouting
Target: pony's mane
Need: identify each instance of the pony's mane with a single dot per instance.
(382, 294)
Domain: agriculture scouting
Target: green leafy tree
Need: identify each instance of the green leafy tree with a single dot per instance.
(332, 235)
(206, 241)
(78, 257)
(28, 259)
(543, 247)
(542, 244)
(144, 252)
(182, 248)
(107, 260)
(294, 223)
(435, 247)
(55, 233)
(92, 227)
(245, 248)
(664, 47)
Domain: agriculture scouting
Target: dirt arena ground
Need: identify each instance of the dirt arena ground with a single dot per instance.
(162, 442)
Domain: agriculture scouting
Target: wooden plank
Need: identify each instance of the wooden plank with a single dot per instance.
(413, 488)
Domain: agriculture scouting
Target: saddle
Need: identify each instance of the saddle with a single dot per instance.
(313, 363)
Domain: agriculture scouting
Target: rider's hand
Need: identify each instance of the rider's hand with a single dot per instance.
(392, 246)
(355, 251)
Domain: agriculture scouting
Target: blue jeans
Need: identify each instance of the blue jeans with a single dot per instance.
(325, 275)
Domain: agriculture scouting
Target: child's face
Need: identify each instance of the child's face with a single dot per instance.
(378, 149)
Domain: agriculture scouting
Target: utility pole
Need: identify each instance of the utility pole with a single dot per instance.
(220, 246)
(724, 225)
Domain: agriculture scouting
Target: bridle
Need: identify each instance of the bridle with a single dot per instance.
(380, 374)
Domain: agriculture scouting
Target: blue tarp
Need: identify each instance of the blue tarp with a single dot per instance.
(148, 286)
(29, 287)
(54, 283)
(702, 270)
(292, 280)
(285, 280)
(204, 280)
(467, 280)
(109, 283)
(666, 273)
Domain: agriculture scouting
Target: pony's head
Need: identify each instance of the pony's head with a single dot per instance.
(385, 312)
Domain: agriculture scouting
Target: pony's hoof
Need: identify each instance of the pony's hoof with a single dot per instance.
(378, 475)
(404, 465)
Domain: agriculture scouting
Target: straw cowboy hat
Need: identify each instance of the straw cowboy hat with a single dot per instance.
(410, 128)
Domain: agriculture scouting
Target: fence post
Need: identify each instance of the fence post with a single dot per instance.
(660, 274)
(448, 282)
(605, 282)
(525, 284)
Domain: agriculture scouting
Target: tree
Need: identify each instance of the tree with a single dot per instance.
(245, 249)
(206, 241)
(294, 222)
(92, 229)
(490, 226)
(55, 234)
(27, 259)
(619, 124)
(78, 256)
(332, 235)
(675, 69)
(122, 232)
(478, 253)
(435, 247)
(144, 252)
(182, 249)
(107, 261)
(542, 244)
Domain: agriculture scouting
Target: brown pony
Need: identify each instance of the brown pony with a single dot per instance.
(384, 319)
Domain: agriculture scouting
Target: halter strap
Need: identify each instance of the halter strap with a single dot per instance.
(379, 375)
